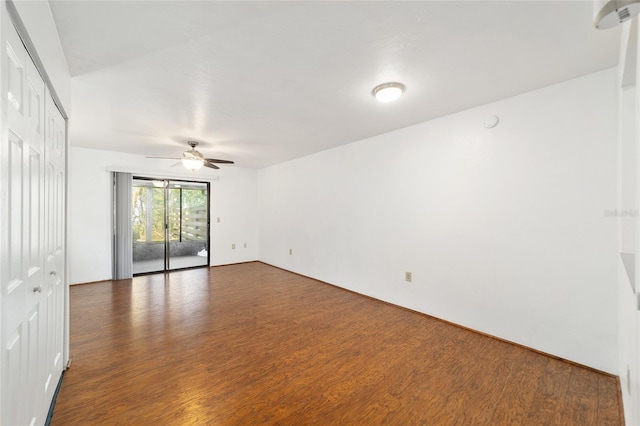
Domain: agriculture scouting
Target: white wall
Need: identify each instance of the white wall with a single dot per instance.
(503, 229)
(233, 200)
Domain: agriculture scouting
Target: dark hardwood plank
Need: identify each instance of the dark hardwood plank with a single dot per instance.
(253, 344)
(550, 400)
(581, 392)
(519, 392)
(609, 401)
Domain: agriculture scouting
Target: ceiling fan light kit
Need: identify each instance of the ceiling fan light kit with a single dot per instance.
(192, 159)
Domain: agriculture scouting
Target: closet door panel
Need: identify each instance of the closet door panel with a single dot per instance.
(24, 280)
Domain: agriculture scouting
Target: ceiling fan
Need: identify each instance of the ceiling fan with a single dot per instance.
(193, 159)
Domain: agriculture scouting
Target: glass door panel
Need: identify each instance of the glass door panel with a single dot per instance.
(147, 225)
(188, 207)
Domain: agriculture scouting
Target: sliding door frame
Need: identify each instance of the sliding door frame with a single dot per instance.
(167, 241)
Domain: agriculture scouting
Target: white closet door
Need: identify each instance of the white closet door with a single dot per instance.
(31, 237)
(54, 243)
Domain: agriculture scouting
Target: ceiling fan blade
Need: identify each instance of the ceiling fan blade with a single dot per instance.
(176, 164)
(210, 165)
(165, 158)
(213, 160)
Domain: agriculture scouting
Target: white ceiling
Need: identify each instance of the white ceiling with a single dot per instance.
(264, 82)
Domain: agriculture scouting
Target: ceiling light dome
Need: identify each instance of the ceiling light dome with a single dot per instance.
(192, 164)
(388, 92)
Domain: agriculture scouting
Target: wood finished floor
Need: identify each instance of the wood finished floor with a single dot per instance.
(251, 344)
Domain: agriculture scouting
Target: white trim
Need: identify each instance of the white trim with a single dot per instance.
(155, 174)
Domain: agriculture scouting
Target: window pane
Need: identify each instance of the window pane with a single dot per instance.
(174, 214)
(157, 214)
(139, 214)
(194, 214)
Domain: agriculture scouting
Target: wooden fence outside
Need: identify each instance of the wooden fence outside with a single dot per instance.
(194, 224)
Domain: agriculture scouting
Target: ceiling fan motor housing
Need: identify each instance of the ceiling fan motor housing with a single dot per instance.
(192, 154)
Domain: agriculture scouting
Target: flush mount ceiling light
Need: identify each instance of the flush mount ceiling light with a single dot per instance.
(388, 92)
(609, 13)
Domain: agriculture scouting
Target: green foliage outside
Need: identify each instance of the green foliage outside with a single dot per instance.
(148, 205)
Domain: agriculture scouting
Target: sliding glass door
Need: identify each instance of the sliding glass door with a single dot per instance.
(170, 225)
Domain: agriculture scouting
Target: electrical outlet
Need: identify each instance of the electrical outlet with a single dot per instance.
(245, 245)
(408, 277)
(233, 246)
(290, 251)
(218, 220)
